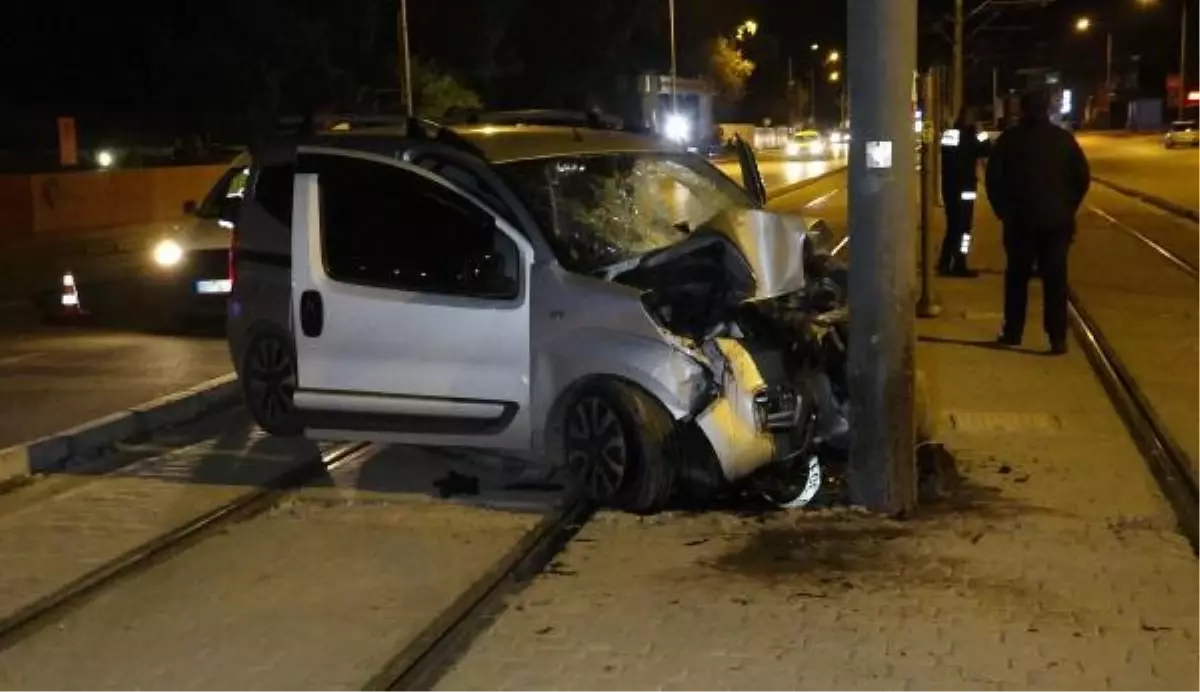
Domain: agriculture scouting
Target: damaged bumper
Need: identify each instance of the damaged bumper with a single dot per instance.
(758, 416)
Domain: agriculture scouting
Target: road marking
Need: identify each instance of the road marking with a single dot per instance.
(823, 198)
(10, 360)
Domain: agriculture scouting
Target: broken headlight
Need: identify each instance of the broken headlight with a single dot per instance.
(776, 409)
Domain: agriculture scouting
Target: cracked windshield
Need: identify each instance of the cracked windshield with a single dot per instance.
(608, 209)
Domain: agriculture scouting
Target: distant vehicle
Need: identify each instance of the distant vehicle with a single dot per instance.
(839, 136)
(1182, 133)
(806, 144)
(182, 277)
(566, 294)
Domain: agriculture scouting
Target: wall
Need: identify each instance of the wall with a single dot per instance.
(33, 207)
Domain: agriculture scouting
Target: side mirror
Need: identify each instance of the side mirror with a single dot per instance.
(189, 207)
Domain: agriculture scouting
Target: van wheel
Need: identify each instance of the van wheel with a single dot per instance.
(619, 446)
(269, 384)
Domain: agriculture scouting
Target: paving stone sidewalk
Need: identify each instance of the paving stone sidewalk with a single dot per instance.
(1055, 565)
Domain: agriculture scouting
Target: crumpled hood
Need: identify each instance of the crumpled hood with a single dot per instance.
(757, 254)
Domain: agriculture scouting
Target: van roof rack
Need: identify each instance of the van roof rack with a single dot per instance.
(593, 120)
(414, 128)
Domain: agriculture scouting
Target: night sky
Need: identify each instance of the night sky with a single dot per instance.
(188, 64)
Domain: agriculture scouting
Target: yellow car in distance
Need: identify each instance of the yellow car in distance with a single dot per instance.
(806, 144)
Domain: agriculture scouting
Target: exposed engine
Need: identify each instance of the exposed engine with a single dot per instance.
(764, 306)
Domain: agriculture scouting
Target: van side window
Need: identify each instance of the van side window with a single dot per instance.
(273, 191)
(392, 228)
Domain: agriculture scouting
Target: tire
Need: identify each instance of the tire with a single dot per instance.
(619, 446)
(268, 379)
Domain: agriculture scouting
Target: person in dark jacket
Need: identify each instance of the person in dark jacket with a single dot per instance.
(1037, 176)
(962, 147)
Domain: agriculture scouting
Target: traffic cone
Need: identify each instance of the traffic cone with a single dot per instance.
(70, 295)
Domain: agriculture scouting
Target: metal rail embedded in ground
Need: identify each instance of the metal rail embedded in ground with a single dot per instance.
(26, 620)
(1168, 462)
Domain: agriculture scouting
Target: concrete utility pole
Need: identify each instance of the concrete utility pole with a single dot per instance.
(883, 41)
(674, 71)
(931, 137)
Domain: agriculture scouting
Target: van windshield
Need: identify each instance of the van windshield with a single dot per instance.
(1183, 126)
(602, 209)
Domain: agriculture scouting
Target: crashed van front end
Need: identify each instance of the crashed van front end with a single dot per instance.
(751, 298)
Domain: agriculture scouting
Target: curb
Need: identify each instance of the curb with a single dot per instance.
(1152, 200)
(55, 452)
(788, 189)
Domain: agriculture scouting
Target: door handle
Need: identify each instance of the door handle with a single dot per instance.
(312, 314)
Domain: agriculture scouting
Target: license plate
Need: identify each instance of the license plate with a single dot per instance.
(214, 286)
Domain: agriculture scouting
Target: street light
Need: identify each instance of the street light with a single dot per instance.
(834, 76)
(834, 56)
(1083, 25)
(815, 47)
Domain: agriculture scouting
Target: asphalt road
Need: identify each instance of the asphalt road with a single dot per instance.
(54, 379)
(778, 172)
(1142, 163)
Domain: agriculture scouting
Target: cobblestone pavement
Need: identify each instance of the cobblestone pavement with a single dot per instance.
(48, 542)
(319, 593)
(1054, 565)
(1145, 306)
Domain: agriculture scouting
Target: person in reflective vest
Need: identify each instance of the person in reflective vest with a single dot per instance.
(962, 146)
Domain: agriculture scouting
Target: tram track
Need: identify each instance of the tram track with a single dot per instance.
(1169, 464)
(26, 620)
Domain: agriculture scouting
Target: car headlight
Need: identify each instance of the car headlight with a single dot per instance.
(168, 253)
(792, 148)
(678, 128)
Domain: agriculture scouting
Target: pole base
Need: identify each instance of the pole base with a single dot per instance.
(927, 308)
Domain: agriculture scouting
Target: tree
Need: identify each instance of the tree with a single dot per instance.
(435, 91)
(728, 69)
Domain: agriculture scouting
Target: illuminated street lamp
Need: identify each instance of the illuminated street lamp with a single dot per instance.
(834, 76)
(834, 56)
(815, 47)
(1084, 25)
(105, 158)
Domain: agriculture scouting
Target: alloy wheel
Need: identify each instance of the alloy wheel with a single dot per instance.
(271, 378)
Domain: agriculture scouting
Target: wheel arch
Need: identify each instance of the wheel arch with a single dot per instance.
(552, 436)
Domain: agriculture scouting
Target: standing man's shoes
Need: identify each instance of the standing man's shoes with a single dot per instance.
(963, 273)
(1058, 348)
(1006, 340)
